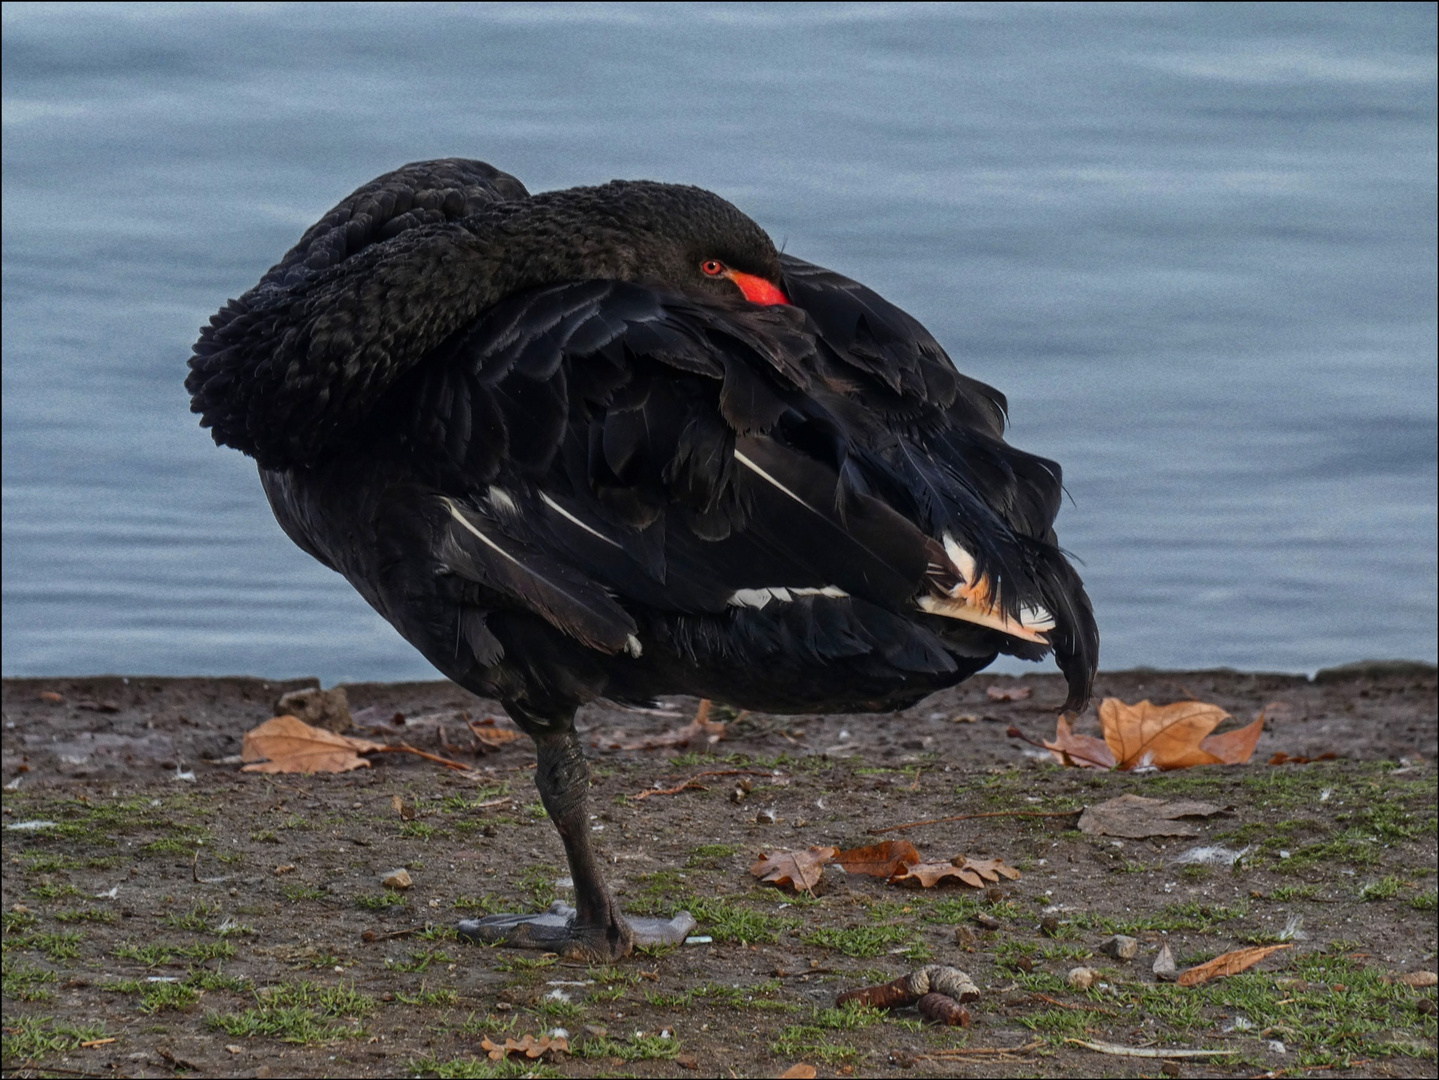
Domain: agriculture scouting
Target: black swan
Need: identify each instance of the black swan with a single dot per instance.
(608, 442)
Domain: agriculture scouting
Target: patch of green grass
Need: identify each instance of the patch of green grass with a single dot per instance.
(163, 997)
(297, 893)
(730, 919)
(196, 920)
(708, 854)
(1289, 893)
(420, 961)
(178, 845)
(17, 922)
(304, 1012)
(58, 946)
(809, 1042)
(1352, 847)
(871, 939)
(91, 914)
(379, 901)
(525, 963)
(1194, 915)
(158, 953)
(420, 830)
(30, 1038)
(485, 905)
(28, 983)
(53, 890)
(1386, 888)
(538, 883)
(432, 998)
(1060, 1024)
(553, 1009)
(1425, 901)
(471, 1068)
(635, 1048)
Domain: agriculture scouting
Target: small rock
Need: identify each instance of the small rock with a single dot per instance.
(489, 830)
(964, 937)
(397, 879)
(994, 894)
(1049, 925)
(596, 1031)
(986, 920)
(1426, 1006)
(1082, 978)
(1121, 947)
(1164, 969)
(1170, 1068)
(1024, 964)
(687, 1061)
(766, 817)
(328, 709)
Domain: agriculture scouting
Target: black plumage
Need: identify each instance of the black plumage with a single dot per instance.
(607, 442)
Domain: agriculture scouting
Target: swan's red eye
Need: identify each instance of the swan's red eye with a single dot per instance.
(712, 267)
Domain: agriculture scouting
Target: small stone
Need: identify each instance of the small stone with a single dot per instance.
(1121, 947)
(1164, 969)
(994, 894)
(1082, 978)
(1024, 964)
(328, 709)
(1426, 1006)
(964, 937)
(1049, 925)
(490, 830)
(596, 1031)
(1170, 1068)
(986, 920)
(687, 1061)
(397, 879)
(766, 817)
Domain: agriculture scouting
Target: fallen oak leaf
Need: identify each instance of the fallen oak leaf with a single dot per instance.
(285, 744)
(1231, 963)
(928, 875)
(988, 869)
(530, 1046)
(800, 870)
(878, 860)
(1173, 736)
(801, 1070)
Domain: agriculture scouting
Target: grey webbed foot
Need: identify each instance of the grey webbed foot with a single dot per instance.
(555, 930)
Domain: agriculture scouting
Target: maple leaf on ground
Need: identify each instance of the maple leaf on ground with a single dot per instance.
(1231, 963)
(288, 745)
(1174, 736)
(800, 870)
(878, 860)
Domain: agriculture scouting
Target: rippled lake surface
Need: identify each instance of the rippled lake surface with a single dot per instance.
(1194, 245)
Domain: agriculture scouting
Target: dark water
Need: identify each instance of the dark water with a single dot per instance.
(1194, 245)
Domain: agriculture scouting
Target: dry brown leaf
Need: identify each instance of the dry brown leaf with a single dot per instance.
(1079, 751)
(1173, 736)
(1136, 817)
(530, 1046)
(1418, 979)
(878, 860)
(800, 1071)
(287, 745)
(1282, 758)
(988, 869)
(404, 809)
(1231, 963)
(928, 875)
(1009, 693)
(1164, 969)
(490, 734)
(800, 870)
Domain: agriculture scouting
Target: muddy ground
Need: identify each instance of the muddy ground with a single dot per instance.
(278, 952)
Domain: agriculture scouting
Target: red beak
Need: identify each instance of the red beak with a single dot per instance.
(756, 289)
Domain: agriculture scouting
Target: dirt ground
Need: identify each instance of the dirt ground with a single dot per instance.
(166, 914)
